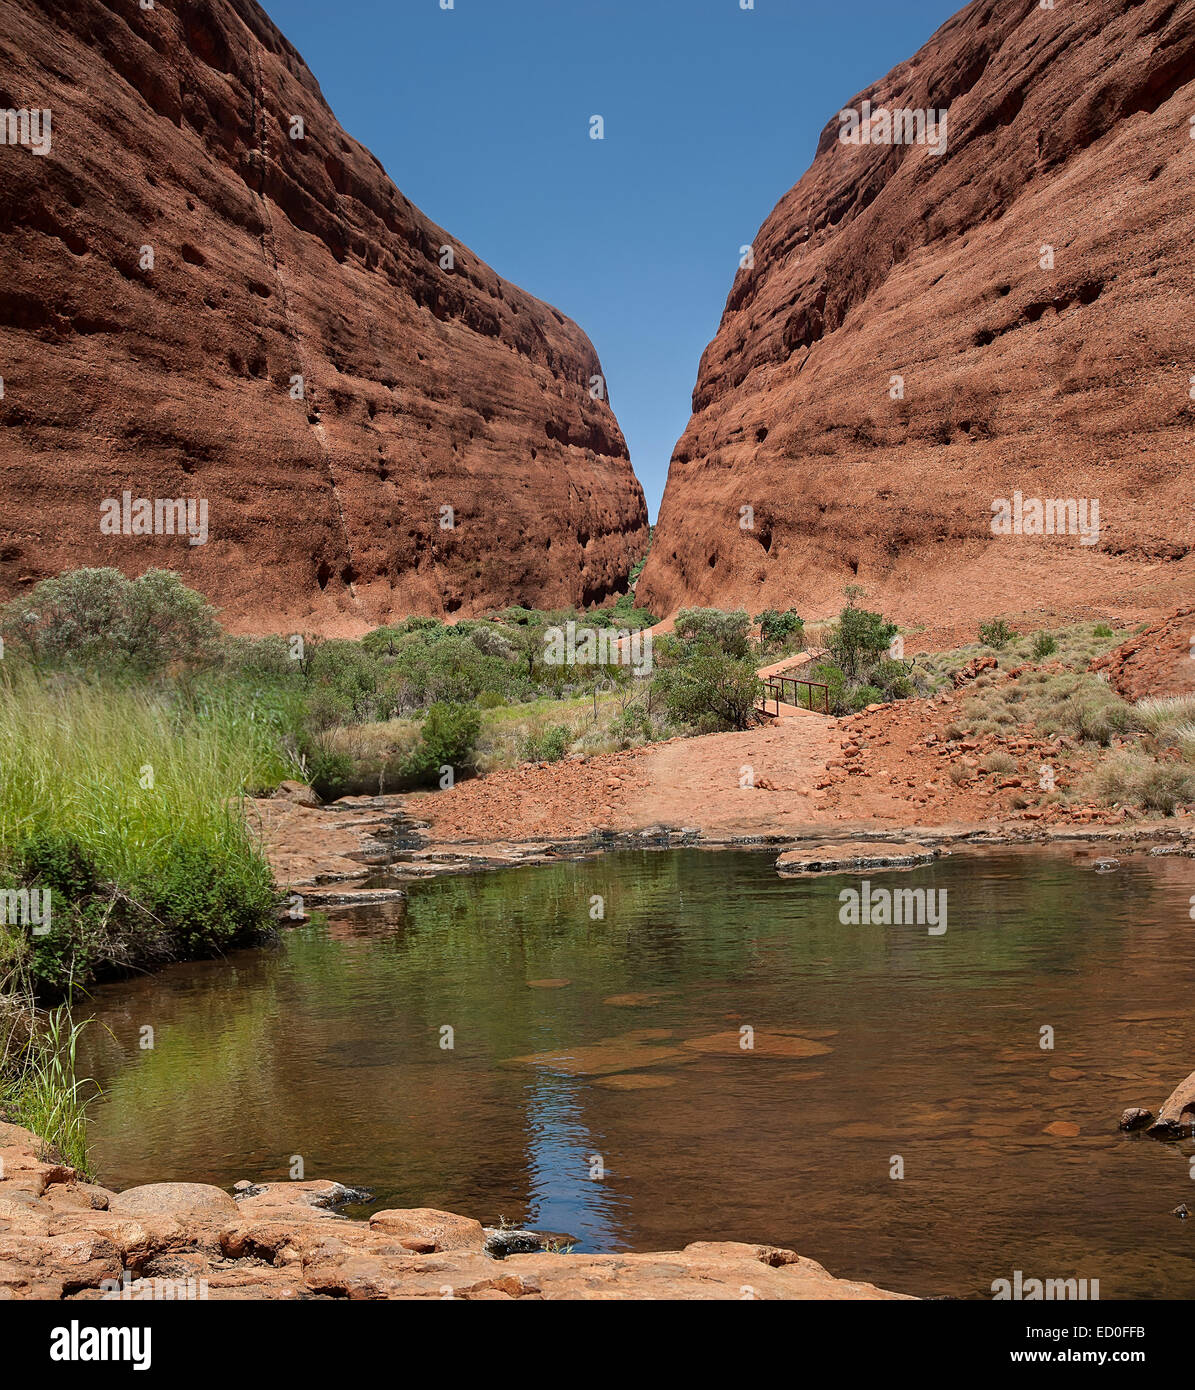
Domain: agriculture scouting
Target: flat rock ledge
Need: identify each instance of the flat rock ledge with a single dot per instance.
(852, 855)
(64, 1238)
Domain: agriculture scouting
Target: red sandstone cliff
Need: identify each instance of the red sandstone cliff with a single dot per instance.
(1067, 128)
(273, 258)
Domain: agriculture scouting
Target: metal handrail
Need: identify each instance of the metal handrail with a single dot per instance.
(774, 686)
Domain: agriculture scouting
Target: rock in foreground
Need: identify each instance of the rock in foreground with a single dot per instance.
(63, 1238)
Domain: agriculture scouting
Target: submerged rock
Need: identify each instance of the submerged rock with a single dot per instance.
(1135, 1118)
(501, 1241)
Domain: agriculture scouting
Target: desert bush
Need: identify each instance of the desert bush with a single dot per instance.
(706, 688)
(447, 738)
(1044, 644)
(779, 631)
(998, 762)
(96, 620)
(547, 745)
(728, 632)
(996, 633)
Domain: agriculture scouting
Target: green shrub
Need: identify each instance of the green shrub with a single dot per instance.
(703, 686)
(996, 633)
(547, 745)
(859, 641)
(892, 677)
(779, 630)
(1102, 630)
(350, 675)
(834, 678)
(447, 738)
(490, 699)
(330, 772)
(97, 620)
(863, 695)
(727, 632)
(1044, 644)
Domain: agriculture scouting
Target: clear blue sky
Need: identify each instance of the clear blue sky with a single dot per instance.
(481, 117)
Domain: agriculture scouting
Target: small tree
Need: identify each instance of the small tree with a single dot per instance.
(778, 630)
(860, 641)
(447, 739)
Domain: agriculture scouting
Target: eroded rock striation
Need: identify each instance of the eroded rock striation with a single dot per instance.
(61, 1237)
(427, 381)
(924, 333)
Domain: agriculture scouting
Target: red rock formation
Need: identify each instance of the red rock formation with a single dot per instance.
(1067, 127)
(1157, 662)
(273, 257)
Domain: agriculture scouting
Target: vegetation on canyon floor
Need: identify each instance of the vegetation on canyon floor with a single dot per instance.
(132, 728)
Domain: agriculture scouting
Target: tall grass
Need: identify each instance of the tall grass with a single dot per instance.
(1167, 714)
(40, 1088)
(128, 805)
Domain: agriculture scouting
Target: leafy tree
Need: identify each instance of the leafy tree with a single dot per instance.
(728, 632)
(859, 641)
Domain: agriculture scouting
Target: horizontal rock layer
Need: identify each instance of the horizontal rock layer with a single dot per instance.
(274, 258)
(1067, 128)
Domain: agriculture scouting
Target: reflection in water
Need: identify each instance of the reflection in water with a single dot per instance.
(567, 1193)
(870, 1042)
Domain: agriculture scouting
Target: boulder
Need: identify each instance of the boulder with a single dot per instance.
(297, 792)
(425, 1230)
(1177, 1116)
(177, 1199)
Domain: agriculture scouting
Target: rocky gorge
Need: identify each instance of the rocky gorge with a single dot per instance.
(920, 332)
(212, 292)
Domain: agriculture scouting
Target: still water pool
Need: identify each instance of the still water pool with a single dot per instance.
(597, 1084)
